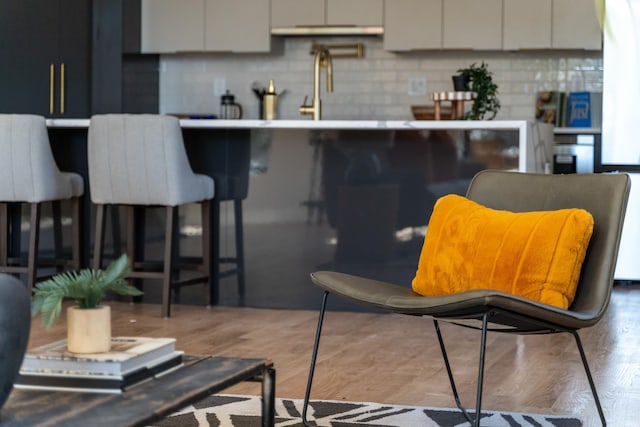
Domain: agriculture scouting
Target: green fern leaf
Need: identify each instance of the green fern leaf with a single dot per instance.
(87, 287)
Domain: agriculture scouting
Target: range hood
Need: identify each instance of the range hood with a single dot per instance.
(328, 30)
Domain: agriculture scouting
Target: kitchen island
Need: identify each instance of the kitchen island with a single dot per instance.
(353, 196)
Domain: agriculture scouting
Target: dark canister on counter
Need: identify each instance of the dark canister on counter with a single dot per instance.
(229, 109)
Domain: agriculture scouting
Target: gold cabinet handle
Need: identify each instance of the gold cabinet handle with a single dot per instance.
(62, 88)
(51, 83)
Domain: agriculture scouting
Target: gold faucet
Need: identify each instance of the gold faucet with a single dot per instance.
(322, 59)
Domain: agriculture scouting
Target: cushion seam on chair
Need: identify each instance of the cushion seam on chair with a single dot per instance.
(171, 191)
(527, 245)
(106, 130)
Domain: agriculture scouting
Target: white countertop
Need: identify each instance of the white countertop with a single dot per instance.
(530, 133)
(324, 124)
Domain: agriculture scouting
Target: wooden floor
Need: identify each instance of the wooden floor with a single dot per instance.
(396, 359)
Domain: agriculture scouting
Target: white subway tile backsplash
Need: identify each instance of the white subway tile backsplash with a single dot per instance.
(373, 87)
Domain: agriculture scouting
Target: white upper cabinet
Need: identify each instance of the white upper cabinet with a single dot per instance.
(293, 13)
(412, 24)
(526, 24)
(300, 13)
(575, 25)
(551, 24)
(171, 26)
(472, 24)
(237, 26)
(361, 13)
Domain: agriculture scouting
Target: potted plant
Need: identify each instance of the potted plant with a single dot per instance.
(88, 322)
(486, 103)
(460, 82)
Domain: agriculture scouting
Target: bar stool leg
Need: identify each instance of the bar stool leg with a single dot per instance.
(205, 214)
(98, 243)
(115, 230)
(136, 238)
(76, 226)
(168, 260)
(214, 268)
(34, 238)
(56, 213)
(4, 234)
(237, 210)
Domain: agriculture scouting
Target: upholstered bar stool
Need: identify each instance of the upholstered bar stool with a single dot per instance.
(226, 156)
(30, 175)
(233, 187)
(139, 160)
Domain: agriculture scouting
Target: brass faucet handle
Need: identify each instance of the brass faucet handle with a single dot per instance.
(305, 108)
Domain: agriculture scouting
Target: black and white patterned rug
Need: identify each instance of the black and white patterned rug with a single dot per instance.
(244, 411)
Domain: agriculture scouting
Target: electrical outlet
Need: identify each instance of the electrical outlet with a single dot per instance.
(417, 86)
(219, 86)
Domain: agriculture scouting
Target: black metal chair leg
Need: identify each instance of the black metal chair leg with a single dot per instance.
(483, 350)
(589, 377)
(475, 421)
(456, 396)
(314, 355)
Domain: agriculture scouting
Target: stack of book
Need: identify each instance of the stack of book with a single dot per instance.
(550, 108)
(573, 109)
(584, 109)
(131, 361)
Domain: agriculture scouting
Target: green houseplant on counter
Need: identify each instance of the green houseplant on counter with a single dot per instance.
(486, 103)
(88, 322)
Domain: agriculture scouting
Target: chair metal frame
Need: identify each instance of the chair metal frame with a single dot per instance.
(485, 316)
(479, 309)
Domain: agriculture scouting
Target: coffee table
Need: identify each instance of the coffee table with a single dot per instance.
(145, 403)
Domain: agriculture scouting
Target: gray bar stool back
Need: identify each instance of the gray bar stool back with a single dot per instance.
(139, 160)
(30, 175)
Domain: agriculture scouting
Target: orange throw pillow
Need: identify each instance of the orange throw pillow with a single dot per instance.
(535, 255)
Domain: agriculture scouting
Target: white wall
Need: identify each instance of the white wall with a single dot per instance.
(373, 87)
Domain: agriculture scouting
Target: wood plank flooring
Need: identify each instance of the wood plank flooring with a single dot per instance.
(396, 359)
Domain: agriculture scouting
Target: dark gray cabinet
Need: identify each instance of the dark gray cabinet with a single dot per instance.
(45, 57)
(123, 79)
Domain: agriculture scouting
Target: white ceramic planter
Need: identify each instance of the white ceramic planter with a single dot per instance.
(89, 330)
